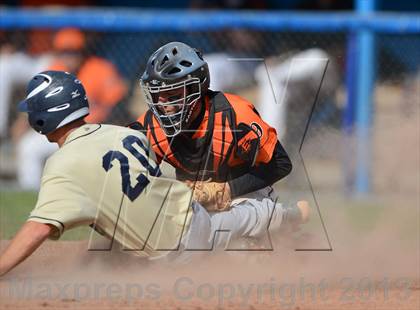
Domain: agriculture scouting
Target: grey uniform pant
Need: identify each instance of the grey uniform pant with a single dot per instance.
(250, 216)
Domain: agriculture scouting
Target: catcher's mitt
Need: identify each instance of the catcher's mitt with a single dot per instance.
(211, 195)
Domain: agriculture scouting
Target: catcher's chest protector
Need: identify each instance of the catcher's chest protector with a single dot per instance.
(212, 152)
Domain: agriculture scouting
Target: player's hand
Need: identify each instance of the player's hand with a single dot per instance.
(213, 196)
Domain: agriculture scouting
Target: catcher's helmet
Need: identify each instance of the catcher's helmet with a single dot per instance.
(179, 74)
(54, 99)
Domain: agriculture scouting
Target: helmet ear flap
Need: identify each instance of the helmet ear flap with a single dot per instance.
(38, 123)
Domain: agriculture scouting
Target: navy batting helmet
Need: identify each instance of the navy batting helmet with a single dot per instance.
(54, 99)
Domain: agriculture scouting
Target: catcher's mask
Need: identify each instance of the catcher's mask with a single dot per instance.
(175, 79)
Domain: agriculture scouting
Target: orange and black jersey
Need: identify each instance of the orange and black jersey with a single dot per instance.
(227, 142)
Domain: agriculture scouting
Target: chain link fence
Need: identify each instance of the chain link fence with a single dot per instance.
(282, 72)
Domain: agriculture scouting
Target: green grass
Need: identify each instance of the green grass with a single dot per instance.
(15, 207)
(359, 217)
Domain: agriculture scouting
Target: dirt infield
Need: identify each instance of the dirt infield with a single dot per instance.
(377, 271)
(215, 285)
(333, 302)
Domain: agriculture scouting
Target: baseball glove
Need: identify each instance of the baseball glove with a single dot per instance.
(213, 196)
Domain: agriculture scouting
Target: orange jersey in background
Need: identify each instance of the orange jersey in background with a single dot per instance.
(103, 84)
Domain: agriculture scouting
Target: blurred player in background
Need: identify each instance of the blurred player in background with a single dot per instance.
(104, 85)
(294, 79)
(106, 176)
(216, 141)
(17, 65)
(105, 89)
(287, 84)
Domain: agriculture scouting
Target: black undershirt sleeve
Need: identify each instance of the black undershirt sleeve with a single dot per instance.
(262, 175)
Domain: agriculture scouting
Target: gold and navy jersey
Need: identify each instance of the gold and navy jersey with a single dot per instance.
(107, 177)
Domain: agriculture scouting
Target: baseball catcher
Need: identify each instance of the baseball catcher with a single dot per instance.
(216, 141)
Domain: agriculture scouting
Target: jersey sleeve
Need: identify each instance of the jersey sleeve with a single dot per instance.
(63, 204)
(256, 139)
